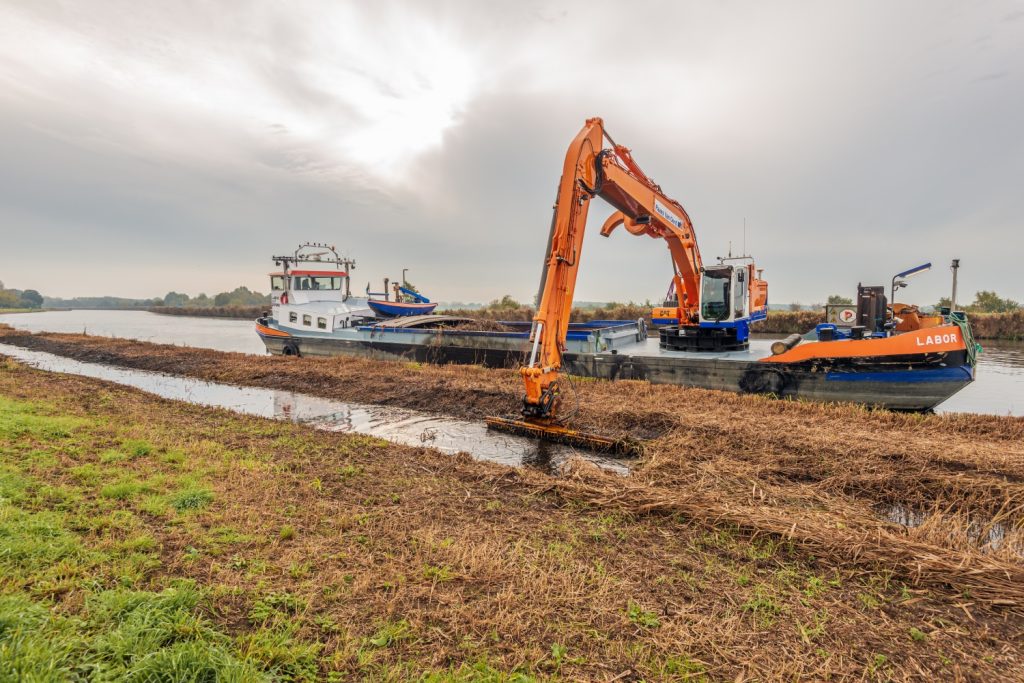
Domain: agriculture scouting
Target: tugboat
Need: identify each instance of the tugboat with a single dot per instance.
(311, 295)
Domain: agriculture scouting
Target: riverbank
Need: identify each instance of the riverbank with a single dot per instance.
(747, 544)
(238, 312)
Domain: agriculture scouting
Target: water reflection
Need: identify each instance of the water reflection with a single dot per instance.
(397, 425)
(982, 532)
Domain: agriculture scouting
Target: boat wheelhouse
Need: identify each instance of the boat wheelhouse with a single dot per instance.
(312, 291)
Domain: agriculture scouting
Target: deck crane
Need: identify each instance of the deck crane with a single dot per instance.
(731, 293)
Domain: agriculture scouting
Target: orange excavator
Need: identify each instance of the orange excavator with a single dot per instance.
(592, 170)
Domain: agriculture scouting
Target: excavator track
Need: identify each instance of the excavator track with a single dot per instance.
(566, 436)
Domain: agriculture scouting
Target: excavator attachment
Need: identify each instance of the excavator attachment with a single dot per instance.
(563, 435)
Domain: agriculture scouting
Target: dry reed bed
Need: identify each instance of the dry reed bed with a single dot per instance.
(530, 560)
(241, 312)
(812, 473)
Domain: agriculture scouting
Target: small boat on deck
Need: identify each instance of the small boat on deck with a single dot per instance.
(407, 302)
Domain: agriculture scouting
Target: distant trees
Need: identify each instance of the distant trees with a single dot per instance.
(836, 299)
(505, 302)
(15, 298)
(9, 299)
(990, 302)
(175, 299)
(984, 302)
(30, 298)
(240, 296)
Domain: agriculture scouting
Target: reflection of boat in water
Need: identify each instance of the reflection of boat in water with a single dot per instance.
(868, 356)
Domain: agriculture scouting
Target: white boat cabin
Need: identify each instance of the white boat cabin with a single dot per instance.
(316, 301)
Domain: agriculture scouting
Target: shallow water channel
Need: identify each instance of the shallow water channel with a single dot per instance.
(982, 532)
(397, 425)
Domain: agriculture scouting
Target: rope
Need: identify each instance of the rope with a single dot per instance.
(959, 318)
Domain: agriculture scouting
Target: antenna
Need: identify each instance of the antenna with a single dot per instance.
(744, 234)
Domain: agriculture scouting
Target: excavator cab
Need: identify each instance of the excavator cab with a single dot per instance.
(731, 297)
(722, 296)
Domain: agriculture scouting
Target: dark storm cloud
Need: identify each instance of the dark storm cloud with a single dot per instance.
(154, 148)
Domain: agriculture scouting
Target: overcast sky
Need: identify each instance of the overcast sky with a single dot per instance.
(150, 146)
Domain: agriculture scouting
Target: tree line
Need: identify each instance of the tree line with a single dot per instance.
(31, 299)
(240, 296)
(18, 298)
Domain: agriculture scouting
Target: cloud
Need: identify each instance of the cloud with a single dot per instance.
(856, 140)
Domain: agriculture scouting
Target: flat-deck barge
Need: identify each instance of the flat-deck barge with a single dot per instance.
(616, 350)
(314, 313)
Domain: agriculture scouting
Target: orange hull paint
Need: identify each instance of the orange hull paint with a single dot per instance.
(270, 332)
(931, 340)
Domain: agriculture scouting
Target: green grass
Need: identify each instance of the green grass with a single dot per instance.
(121, 635)
(120, 491)
(642, 617)
(191, 499)
(48, 550)
(21, 419)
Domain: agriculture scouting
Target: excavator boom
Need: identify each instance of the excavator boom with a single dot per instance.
(593, 170)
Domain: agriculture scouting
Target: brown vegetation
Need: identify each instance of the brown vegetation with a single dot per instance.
(789, 322)
(998, 325)
(984, 325)
(611, 311)
(244, 312)
(743, 547)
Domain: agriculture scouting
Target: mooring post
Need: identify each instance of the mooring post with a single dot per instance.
(955, 266)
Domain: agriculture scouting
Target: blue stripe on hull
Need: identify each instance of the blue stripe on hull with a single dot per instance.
(963, 373)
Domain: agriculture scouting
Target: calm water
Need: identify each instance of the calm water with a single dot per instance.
(398, 425)
(998, 388)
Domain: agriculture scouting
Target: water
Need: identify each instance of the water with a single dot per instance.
(997, 390)
(983, 533)
(398, 425)
(222, 334)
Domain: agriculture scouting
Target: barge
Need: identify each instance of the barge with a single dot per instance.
(914, 370)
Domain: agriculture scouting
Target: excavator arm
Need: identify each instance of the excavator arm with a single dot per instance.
(592, 170)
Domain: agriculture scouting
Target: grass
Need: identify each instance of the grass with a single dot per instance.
(148, 540)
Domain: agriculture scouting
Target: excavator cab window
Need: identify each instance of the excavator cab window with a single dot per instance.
(715, 297)
(740, 295)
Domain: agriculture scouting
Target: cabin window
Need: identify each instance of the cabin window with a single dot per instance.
(307, 320)
(714, 294)
(740, 295)
(307, 283)
(293, 317)
(277, 283)
(321, 323)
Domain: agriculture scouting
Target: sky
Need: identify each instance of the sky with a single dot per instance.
(155, 146)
